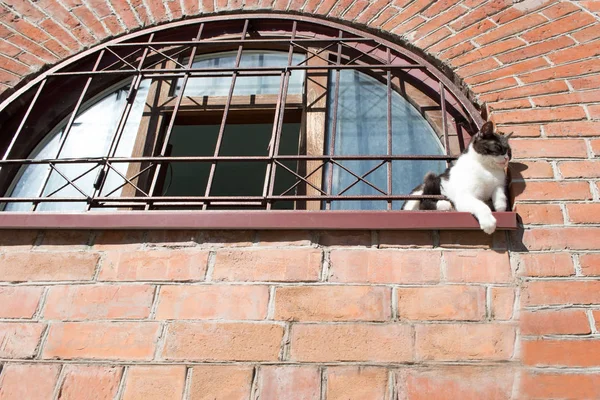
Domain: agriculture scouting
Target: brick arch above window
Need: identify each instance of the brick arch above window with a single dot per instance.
(164, 60)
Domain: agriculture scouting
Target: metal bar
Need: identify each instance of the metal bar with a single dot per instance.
(69, 125)
(71, 182)
(301, 177)
(226, 158)
(389, 129)
(119, 57)
(238, 58)
(24, 119)
(128, 180)
(444, 121)
(116, 62)
(336, 96)
(278, 123)
(112, 149)
(173, 116)
(248, 41)
(361, 178)
(198, 71)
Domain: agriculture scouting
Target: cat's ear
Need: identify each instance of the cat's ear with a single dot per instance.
(487, 129)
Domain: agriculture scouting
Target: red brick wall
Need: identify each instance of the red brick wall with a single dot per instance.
(417, 315)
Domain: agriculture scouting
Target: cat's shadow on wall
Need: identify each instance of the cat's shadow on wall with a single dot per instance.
(516, 186)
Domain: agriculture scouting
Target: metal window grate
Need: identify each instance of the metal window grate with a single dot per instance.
(144, 55)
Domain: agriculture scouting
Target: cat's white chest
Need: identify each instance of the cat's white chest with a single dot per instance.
(470, 176)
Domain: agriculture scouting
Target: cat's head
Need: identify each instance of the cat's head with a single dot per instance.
(493, 148)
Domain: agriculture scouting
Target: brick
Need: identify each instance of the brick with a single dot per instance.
(575, 53)
(590, 96)
(543, 190)
(405, 239)
(17, 240)
(487, 51)
(502, 303)
(302, 264)
(14, 375)
(479, 67)
(509, 70)
(519, 130)
(356, 383)
(596, 315)
(118, 240)
(538, 148)
(345, 238)
(173, 265)
(560, 385)
(90, 382)
(472, 239)
(540, 115)
(98, 302)
(223, 341)
(576, 128)
(154, 382)
(477, 266)
(509, 105)
(23, 267)
(457, 342)
(531, 169)
(384, 266)
(590, 264)
(584, 213)
(220, 381)
(546, 264)
(527, 90)
(19, 301)
(102, 340)
(440, 20)
(570, 353)
(462, 36)
(58, 239)
(586, 82)
(511, 28)
(333, 303)
(564, 71)
(576, 238)
(595, 147)
(563, 25)
(455, 382)
(559, 10)
(213, 302)
(19, 340)
(172, 239)
(594, 111)
(351, 342)
(285, 238)
(537, 49)
(487, 8)
(454, 302)
(278, 382)
(540, 213)
(494, 85)
(456, 51)
(554, 322)
(561, 292)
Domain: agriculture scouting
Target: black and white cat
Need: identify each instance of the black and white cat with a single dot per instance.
(476, 177)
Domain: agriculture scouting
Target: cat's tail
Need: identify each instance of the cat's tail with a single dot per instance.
(431, 186)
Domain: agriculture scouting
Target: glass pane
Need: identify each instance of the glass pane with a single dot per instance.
(90, 136)
(362, 130)
(246, 85)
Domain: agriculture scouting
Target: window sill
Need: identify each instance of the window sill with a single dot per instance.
(285, 220)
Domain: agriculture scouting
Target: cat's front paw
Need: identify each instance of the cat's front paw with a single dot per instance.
(488, 223)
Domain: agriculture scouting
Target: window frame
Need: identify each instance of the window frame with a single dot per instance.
(243, 219)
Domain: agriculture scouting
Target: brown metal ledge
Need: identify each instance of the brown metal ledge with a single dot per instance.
(252, 220)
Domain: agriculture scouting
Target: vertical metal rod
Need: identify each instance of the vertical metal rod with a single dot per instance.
(389, 130)
(213, 166)
(336, 95)
(112, 149)
(69, 126)
(173, 116)
(24, 119)
(278, 122)
(444, 121)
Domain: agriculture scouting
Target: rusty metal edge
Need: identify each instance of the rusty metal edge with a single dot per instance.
(280, 220)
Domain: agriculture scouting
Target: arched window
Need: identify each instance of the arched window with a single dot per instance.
(256, 112)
